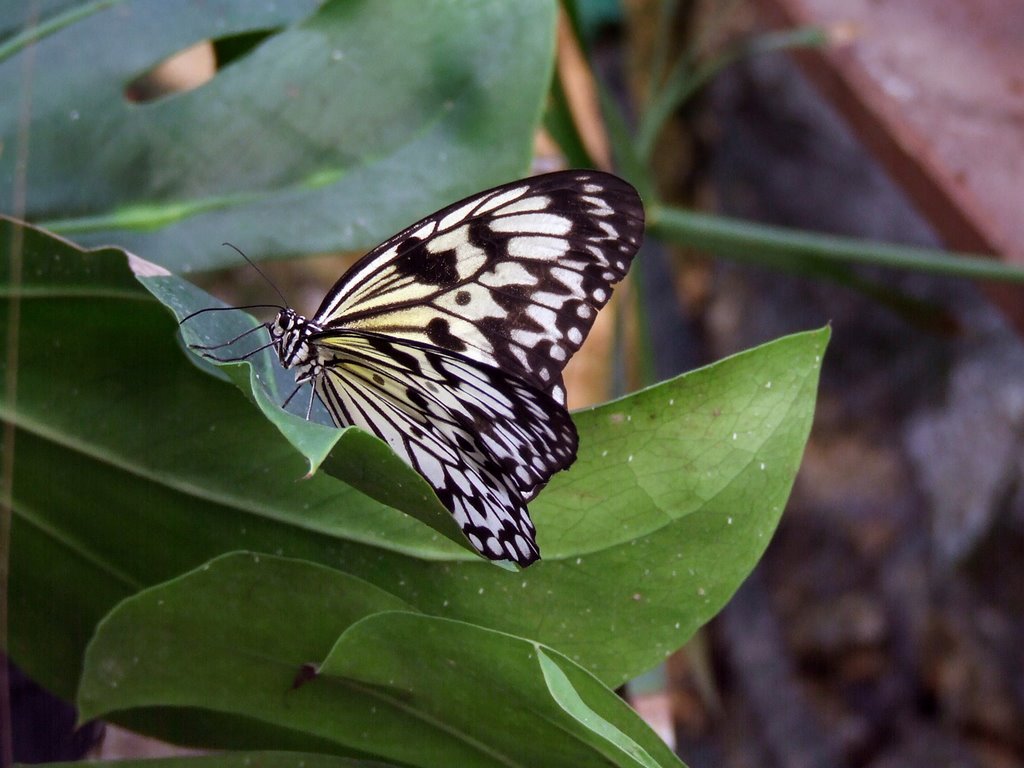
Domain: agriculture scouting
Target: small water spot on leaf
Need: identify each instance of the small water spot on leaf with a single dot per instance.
(480, 591)
(728, 520)
(337, 55)
(630, 458)
(604, 453)
(73, 114)
(734, 435)
(677, 625)
(444, 604)
(762, 466)
(700, 591)
(671, 401)
(768, 385)
(579, 560)
(637, 596)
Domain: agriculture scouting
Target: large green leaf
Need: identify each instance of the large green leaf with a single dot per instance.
(411, 688)
(343, 125)
(133, 466)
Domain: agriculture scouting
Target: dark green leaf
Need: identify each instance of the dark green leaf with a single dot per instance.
(347, 123)
(415, 689)
(132, 466)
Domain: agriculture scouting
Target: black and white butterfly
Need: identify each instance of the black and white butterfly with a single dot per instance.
(448, 341)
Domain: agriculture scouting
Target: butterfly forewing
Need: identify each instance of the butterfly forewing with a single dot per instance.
(512, 277)
(485, 440)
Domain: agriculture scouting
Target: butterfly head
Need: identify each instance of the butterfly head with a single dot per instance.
(291, 334)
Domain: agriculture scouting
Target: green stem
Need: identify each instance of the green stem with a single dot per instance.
(561, 125)
(685, 80)
(645, 345)
(37, 32)
(768, 244)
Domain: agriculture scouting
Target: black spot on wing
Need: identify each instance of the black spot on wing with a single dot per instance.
(416, 397)
(431, 268)
(439, 332)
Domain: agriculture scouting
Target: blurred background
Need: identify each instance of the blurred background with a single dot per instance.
(885, 625)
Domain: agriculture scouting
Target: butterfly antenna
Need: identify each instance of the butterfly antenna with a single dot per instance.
(204, 310)
(262, 274)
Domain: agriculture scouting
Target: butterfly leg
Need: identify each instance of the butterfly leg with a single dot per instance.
(246, 356)
(294, 392)
(309, 408)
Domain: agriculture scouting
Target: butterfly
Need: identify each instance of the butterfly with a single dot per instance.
(448, 341)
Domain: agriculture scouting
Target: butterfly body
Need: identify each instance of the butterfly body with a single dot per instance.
(292, 334)
(448, 340)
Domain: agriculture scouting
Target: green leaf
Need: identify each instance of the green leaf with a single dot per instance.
(414, 689)
(243, 625)
(793, 249)
(569, 699)
(162, 467)
(346, 123)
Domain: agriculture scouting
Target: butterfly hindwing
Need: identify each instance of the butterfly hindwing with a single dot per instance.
(512, 277)
(486, 441)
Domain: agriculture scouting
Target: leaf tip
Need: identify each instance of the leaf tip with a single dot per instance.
(142, 268)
